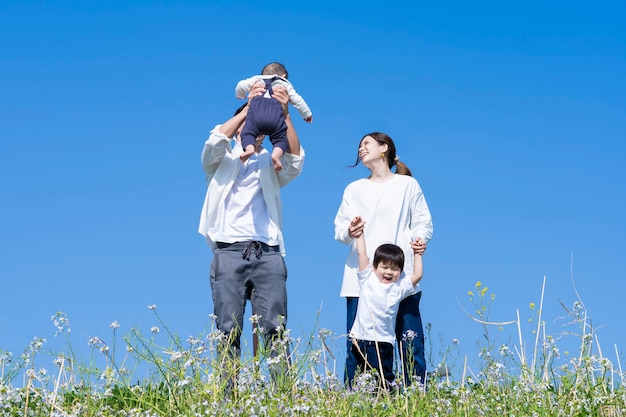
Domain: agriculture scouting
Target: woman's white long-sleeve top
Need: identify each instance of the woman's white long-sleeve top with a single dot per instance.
(394, 211)
(221, 164)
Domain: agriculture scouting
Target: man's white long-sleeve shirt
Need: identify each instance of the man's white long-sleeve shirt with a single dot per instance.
(221, 164)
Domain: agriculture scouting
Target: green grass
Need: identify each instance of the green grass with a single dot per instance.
(138, 375)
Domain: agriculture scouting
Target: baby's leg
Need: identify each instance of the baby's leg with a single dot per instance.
(277, 153)
(247, 153)
(248, 140)
(280, 144)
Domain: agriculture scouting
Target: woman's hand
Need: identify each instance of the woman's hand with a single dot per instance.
(356, 227)
(419, 246)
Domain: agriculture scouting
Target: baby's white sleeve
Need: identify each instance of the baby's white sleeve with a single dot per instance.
(298, 102)
(244, 86)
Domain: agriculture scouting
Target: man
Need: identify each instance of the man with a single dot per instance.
(241, 221)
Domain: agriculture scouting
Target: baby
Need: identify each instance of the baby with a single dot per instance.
(265, 115)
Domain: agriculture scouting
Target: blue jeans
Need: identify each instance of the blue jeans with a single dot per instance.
(409, 334)
(410, 338)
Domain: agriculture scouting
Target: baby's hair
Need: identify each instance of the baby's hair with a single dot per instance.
(275, 68)
(392, 157)
(389, 254)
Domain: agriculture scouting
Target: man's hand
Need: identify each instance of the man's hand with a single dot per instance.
(258, 89)
(280, 94)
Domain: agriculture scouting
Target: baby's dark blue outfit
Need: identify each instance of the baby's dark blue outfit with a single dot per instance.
(265, 117)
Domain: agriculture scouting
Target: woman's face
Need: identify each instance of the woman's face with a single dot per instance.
(370, 150)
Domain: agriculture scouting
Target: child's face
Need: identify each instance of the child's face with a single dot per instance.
(387, 273)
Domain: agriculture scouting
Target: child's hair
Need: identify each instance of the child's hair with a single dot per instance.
(389, 254)
(275, 68)
(392, 158)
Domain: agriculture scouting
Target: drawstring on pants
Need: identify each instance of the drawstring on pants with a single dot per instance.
(252, 245)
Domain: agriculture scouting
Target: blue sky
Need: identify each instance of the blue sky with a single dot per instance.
(511, 116)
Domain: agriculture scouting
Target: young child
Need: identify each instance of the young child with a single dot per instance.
(265, 115)
(383, 284)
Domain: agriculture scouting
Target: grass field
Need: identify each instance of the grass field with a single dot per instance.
(133, 375)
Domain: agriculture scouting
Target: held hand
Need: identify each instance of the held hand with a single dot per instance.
(356, 227)
(280, 94)
(419, 246)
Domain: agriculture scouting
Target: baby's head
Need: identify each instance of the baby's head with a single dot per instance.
(275, 68)
(388, 263)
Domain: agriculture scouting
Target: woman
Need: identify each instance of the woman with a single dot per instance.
(394, 210)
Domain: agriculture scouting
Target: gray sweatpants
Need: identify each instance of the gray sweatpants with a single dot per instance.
(254, 271)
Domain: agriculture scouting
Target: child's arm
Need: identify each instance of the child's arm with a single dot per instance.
(360, 245)
(418, 268)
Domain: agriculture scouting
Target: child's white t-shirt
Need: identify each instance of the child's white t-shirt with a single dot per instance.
(378, 306)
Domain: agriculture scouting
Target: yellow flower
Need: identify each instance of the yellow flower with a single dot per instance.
(483, 291)
(471, 294)
(532, 306)
(478, 284)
